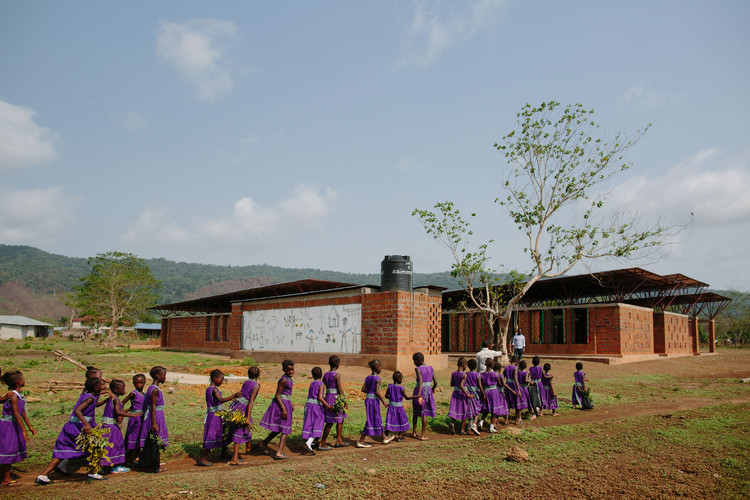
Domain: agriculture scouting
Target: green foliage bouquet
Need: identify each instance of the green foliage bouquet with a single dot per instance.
(340, 404)
(95, 443)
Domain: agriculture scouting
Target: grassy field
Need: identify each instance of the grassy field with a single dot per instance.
(667, 428)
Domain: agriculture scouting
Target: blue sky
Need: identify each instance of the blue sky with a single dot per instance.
(303, 134)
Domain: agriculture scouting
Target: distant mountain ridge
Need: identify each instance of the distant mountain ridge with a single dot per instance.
(43, 274)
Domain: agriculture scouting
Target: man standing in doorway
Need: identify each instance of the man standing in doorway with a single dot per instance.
(519, 343)
(485, 354)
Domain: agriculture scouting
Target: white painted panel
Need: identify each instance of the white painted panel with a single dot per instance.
(335, 329)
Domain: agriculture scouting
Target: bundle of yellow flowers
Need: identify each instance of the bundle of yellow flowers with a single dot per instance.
(231, 417)
(96, 445)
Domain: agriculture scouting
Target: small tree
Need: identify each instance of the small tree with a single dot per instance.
(119, 286)
(556, 159)
(733, 323)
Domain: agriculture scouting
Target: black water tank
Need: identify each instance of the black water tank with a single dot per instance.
(395, 273)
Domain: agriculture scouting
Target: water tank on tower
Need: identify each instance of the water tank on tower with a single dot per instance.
(395, 273)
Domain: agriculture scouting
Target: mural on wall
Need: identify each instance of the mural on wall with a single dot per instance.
(310, 329)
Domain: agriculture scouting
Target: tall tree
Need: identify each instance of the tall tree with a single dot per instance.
(119, 286)
(556, 161)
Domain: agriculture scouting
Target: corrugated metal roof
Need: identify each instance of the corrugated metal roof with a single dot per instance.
(21, 321)
(147, 326)
(223, 303)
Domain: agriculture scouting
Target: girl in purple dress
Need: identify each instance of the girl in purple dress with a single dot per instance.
(513, 393)
(332, 383)
(79, 421)
(278, 416)
(549, 398)
(424, 405)
(475, 389)
(459, 409)
(502, 408)
(137, 400)
(213, 428)
(492, 405)
(244, 403)
(113, 415)
(13, 434)
(314, 421)
(153, 418)
(396, 421)
(525, 379)
(579, 386)
(373, 398)
(535, 386)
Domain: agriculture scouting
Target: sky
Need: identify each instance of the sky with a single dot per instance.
(304, 134)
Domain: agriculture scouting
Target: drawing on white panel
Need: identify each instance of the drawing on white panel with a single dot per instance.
(312, 329)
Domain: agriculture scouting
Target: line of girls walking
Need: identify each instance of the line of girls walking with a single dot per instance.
(476, 398)
(321, 412)
(491, 395)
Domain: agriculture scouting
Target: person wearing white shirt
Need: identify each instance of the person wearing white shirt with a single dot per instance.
(485, 354)
(519, 343)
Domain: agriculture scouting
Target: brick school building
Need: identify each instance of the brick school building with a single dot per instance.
(624, 315)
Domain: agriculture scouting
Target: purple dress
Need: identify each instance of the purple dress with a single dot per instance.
(427, 408)
(158, 417)
(504, 404)
(395, 417)
(65, 446)
(549, 400)
(272, 418)
(510, 384)
(495, 402)
(213, 428)
(242, 433)
(133, 431)
(374, 421)
(459, 405)
(332, 416)
(472, 387)
(314, 421)
(12, 443)
(524, 400)
(116, 454)
(580, 379)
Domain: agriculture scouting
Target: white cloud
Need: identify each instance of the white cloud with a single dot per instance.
(22, 141)
(197, 50)
(430, 34)
(36, 216)
(711, 187)
(307, 205)
(249, 222)
(643, 95)
(155, 225)
(129, 121)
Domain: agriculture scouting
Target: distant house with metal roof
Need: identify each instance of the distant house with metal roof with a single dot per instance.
(149, 329)
(21, 327)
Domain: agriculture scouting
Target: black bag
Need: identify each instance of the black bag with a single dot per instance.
(536, 402)
(150, 454)
(586, 403)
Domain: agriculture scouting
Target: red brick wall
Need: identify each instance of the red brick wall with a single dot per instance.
(192, 332)
(636, 330)
(401, 323)
(615, 330)
(389, 323)
(672, 333)
(467, 331)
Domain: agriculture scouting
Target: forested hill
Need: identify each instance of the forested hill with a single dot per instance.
(45, 273)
